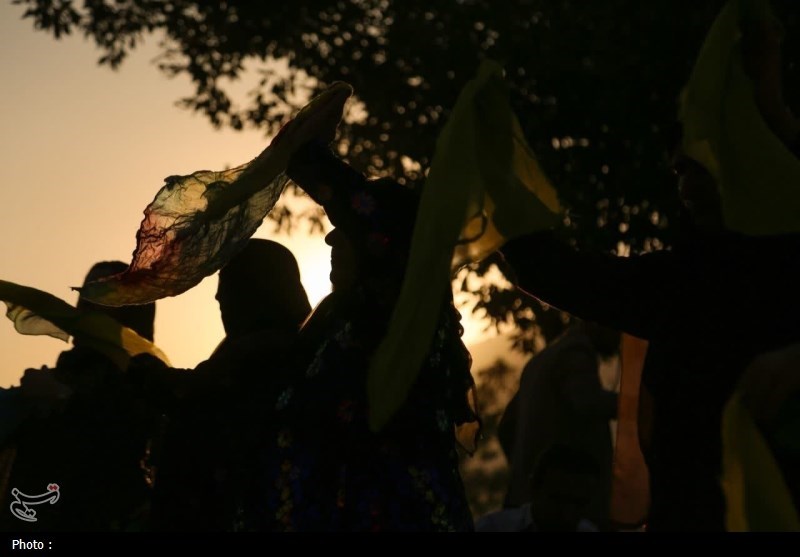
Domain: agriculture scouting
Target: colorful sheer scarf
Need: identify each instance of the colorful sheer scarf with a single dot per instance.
(197, 223)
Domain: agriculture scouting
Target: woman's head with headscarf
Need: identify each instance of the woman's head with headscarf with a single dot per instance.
(378, 231)
(140, 318)
(260, 289)
(373, 219)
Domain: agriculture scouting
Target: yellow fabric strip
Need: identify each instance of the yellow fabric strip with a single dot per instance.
(757, 176)
(480, 151)
(757, 499)
(35, 312)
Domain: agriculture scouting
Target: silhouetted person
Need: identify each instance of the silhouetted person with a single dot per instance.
(87, 433)
(220, 407)
(260, 290)
(696, 305)
(561, 400)
(325, 469)
(707, 308)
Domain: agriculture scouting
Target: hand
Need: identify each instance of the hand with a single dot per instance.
(320, 118)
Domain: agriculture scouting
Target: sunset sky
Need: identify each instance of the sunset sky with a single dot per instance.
(84, 149)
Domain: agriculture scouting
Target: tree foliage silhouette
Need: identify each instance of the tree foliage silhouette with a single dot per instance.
(594, 85)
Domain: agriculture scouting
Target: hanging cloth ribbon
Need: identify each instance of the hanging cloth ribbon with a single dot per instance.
(482, 168)
(758, 177)
(756, 495)
(35, 312)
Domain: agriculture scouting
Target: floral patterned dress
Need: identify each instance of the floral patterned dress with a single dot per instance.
(324, 470)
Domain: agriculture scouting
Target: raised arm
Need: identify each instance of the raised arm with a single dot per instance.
(321, 174)
(622, 293)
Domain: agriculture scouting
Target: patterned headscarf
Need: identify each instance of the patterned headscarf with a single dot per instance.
(377, 216)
